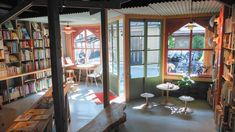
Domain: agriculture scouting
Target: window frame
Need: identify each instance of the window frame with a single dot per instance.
(190, 49)
(86, 48)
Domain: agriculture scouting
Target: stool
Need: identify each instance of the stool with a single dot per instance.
(147, 96)
(186, 99)
(70, 75)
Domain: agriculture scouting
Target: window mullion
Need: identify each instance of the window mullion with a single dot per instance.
(190, 52)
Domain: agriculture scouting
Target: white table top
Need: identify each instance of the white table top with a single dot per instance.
(147, 95)
(186, 98)
(167, 86)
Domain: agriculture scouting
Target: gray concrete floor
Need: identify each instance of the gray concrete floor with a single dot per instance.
(158, 119)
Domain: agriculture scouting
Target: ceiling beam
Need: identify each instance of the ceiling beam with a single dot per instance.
(114, 4)
(16, 11)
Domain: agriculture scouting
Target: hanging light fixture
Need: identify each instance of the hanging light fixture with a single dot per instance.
(68, 29)
(191, 24)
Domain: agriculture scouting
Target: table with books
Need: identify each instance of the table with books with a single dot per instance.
(40, 116)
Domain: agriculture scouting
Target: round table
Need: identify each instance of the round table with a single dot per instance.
(167, 87)
(186, 99)
(147, 96)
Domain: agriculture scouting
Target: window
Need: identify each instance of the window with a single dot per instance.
(188, 52)
(145, 40)
(87, 48)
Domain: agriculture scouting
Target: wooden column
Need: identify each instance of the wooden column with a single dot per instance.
(105, 59)
(57, 71)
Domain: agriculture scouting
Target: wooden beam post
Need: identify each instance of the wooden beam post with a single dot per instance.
(105, 60)
(56, 66)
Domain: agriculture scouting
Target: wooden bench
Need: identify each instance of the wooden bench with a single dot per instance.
(108, 119)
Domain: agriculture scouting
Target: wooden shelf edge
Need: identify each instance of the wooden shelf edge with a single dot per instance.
(24, 74)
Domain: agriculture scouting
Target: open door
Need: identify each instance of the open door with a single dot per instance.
(145, 56)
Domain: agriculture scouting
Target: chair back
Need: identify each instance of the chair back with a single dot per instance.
(98, 70)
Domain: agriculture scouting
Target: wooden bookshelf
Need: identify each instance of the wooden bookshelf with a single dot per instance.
(23, 69)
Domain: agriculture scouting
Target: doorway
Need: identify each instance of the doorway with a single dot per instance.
(145, 56)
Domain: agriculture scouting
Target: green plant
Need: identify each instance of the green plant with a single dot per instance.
(171, 42)
(185, 81)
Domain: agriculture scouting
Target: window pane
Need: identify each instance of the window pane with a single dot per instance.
(80, 56)
(178, 42)
(93, 56)
(78, 44)
(178, 61)
(154, 28)
(153, 70)
(153, 57)
(153, 43)
(137, 71)
(115, 30)
(115, 68)
(201, 63)
(137, 28)
(137, 57)
(198, 41)
(137, 43)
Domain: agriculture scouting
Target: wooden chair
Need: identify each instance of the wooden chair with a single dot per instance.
(70, 75)
(109, 118)
(97, 73)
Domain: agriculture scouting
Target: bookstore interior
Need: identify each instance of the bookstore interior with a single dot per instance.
(125, 65)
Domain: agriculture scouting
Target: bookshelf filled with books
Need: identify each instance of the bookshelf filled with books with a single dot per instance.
(24, 59)
(225, 108)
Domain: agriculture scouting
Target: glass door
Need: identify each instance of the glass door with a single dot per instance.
(113, 32)
(145, 56)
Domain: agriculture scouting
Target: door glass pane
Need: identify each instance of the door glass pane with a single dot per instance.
(137, 57)
(114, 30)
(201, 63)
(153, 57)
(153, 43)
(137, 43)
(137, 28)
(154, 28)
(137, 71)
(153, 70)
(178, 61)
(115, 67)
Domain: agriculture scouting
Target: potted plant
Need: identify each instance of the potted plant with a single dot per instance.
(185, 83)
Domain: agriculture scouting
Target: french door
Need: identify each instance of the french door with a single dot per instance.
(145, 56)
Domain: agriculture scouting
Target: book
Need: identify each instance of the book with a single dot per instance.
(28, 126)
(23, 117)
(41, 117)
(8, 25)
(36, 112)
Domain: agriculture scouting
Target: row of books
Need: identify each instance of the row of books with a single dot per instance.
(25, 44)
(37, 35)
(9, 35)
(27, 88)
(41, 64)
(3, 69)
(39, 54)
(27, 67)
(38, 43)
(46, 42)
(48, 54)
(13, 70)
(43, 74)
(12, 47)
(26, 55)
(23, 33)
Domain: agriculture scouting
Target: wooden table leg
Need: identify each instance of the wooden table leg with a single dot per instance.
(79, 78)
(167, 96)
